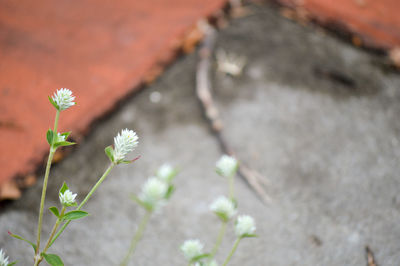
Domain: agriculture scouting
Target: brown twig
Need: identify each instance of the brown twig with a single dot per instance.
(203, 90)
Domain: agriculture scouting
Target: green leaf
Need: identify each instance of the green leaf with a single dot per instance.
(49, 136)
(200, 257)
(75, 215)
(141, 203)
(110, 153)
(54, 103)
(53, 259)
(23, 239)
(63, 188)
(12, 263)
(63, 143)
(170, 190)
(54, 210)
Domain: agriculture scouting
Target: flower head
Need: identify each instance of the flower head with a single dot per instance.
(3, 258)
(67, 199)
(192, 248)
(166, 173)
(124, 143)
(244, 226)
(227, 166)
(224, 208)
(154, 192)
(63, 99)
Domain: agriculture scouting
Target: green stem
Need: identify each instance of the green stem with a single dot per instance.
(54, 229)
(137, 237)
(94, 188)
(219, 239)
(44, 189)
(232, 251)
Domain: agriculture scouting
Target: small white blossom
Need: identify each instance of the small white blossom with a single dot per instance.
(64, 99)
(60, 138)
(223, 206)
(227, 166)
(192, 248)
(124, 143)
(166, 173)
(244, 225)
(3, 258)
(67, 198)
(153, 192)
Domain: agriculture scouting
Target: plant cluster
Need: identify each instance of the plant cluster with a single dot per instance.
(154, 194)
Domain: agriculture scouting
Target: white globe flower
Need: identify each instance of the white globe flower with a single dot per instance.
(3, 258)
(244, 225)
(192, 248)
(227, 166)
(63, 99)
(124, 143)
(223, 207)
(166, 173)
(67, 198)
(153, 192)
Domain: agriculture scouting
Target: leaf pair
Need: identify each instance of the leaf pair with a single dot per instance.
(58, 140)
(72, 215)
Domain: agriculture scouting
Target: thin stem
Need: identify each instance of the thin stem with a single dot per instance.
(137, 237)
(94, 188)
(232, 251)
(54, 230)
(219, 239)
(44, 189)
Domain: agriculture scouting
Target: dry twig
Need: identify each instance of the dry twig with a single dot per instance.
(203, 90)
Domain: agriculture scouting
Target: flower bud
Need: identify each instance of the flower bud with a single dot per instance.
(192, 248)
(166, 173)
(124, 143)
(244, 226)
(227, 166)
(153, 192)
(63, 99)
(67, 199)
(224, 208)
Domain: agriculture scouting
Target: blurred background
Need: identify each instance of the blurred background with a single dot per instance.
(306, 96)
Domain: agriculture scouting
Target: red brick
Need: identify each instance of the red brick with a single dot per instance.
(377, 22)
(99, 49)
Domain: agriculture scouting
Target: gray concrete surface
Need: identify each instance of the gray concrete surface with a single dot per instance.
(316, 116)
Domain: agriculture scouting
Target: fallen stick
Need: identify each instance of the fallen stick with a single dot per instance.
(203, 91)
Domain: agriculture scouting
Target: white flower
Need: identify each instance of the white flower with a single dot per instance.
(3, 258)
(166, 173)
(124, 143)
(63, 98)
(153, 192)
(60, 138)
(244, 226)
(192, 248)
(67, 198)
(224, 207)
(227, 166)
